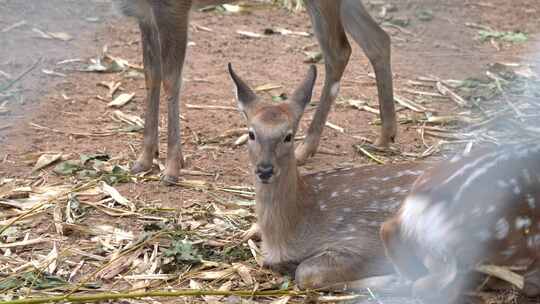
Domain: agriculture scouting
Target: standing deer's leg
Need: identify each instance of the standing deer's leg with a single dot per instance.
(152, 73)
(336, 49)
(400, 252)
(376, 44)
(172, 20)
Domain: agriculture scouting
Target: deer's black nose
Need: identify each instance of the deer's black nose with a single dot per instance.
(265, 171)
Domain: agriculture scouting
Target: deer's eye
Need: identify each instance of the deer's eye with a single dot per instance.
(251, 135)
(288, 138)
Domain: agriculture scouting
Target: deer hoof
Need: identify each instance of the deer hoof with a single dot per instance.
(385, 141)
(169, 180)
(139, 167)
(387, 137)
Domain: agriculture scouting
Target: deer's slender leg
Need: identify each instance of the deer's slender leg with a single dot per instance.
(401, 253)
(376, 44)
(152, 73)
(173, 23)
(336, 49)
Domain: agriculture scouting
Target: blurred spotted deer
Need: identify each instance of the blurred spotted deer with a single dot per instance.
(321, 228)
(164, 30)
(481, 208)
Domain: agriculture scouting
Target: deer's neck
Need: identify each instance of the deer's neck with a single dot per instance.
(283, 206)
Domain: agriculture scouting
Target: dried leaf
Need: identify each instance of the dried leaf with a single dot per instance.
(118, 265)
(313, 56)
(121, 100)
(249, 34)
(132, 120)
(112, 192)
(244, 273)
(45, 160)
(267, 87)
(53, 258)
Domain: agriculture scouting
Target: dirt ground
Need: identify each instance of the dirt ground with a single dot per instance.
(67, 112)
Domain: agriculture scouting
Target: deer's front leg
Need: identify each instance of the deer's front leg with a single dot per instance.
(336, 49)
(152, 73)
(172, 21)
(328, 269)
(376, 44)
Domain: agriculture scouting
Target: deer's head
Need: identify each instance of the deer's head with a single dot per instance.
(272, 126)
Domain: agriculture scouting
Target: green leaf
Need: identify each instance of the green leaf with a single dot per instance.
(513, 37)
(280, 97)
(67, 168)
(286, 283)
(424, 15)
(183, 252)
(118, 175)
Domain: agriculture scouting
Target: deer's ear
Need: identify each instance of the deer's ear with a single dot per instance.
(245, 97)
(302, 95)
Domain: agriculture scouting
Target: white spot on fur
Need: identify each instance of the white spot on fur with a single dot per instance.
(533, 241)
(367, 223)
(491, 209)
(396, 190)
(502, 184)
(339, 219)
(347, 210)
(468, 166)
(334, 90)
(531, 201)
(501, 229)
(323, 207)
(527, 176)
(510, 251)
(483, 235)
(478, 173)
(522, 222)
(334, 194)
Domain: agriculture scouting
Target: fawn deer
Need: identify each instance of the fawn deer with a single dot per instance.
(164, 31)
(480, 208)
(321, 228)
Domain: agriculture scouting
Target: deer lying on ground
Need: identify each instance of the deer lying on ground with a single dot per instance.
(164, 31)
(482, 208)
(321, 228)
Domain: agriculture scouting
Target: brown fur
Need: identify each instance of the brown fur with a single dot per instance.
(321, 228)
(488, 206)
